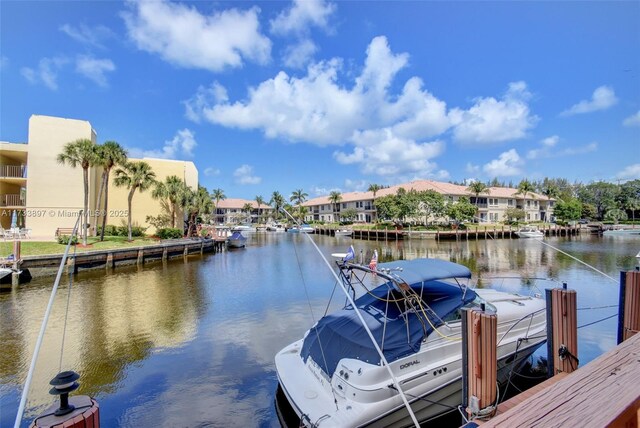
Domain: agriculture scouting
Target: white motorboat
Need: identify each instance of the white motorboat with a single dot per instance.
(5, 271)
(304, 228)
(243, 228)
(529, 232)
(344, 232)
(621, 231)
(275, 227)
(334, 377)
(236, 240)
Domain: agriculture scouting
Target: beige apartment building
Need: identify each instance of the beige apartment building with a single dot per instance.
(38, 193)
(491, 206)
(232, 211)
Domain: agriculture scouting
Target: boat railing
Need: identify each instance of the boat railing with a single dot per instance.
(529, 317)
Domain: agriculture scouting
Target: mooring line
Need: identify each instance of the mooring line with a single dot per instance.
(578, 260)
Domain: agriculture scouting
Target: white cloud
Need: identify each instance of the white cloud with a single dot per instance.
(632, 172)
(90, 36)
(46, 72)
(244, 175)
(94, 69)
(472, 169)
(182, 36)
(210, 172)
(194, 106)
(383, 153)
(180, 146)
(507, 164)
(300, 54)
(317, 110)
(602, 98)
(549, 149)
(492, 121)
(633, 120)
(302, 15)
(355, 185)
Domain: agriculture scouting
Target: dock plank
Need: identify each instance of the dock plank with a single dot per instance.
(605, 392)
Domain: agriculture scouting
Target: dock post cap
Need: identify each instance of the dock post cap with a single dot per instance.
(64, 383)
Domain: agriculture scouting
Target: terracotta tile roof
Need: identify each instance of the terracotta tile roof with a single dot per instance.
(231, 203)
(421, 185)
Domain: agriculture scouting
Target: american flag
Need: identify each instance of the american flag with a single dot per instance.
(373, 264)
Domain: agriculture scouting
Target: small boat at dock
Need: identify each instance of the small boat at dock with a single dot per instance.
(236, 240)
(335, 376)
(529, 232)
(343, 232)
(620, 232)
(304, 228)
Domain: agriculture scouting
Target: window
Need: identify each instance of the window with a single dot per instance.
(510, 202)
(493, 201)
(344, 205)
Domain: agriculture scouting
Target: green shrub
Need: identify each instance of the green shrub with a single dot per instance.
(64, 239)
(169, 233)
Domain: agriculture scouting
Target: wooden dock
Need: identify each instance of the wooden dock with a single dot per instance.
(603, 393)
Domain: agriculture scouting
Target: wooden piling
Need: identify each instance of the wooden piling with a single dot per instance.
(562, 330)
(629, 308)
(479, 360)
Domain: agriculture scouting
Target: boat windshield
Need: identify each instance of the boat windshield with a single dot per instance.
(400, 312)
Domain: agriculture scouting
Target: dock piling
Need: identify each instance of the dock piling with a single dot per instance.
(479, 362)
(629, 308)
(562, 330)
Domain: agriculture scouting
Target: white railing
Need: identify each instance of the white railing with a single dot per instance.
(12, 171)
(11, 201)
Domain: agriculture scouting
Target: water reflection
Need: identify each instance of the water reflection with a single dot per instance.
(192, 344)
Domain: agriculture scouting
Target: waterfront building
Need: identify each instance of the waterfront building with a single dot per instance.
(491, 206)
(232, 211)
(39, 194)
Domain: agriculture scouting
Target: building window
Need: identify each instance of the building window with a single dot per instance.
(493, 202)
(344, 205)
(510, 202)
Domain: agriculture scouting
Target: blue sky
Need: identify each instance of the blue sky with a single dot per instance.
(322, 96)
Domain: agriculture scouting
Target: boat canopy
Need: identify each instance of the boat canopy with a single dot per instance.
(397, 329)
(237, 235)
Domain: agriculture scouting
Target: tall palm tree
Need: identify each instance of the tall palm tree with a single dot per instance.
(80, 152)
(550, 190)
(171, 190)
(298, 196)
(277, 202)
(374, 188)
(195, 204)
(525, 187)
(109, 154)
(218, 195)
(335, 197)
(134, 176)
(260, 201)
(478, 187)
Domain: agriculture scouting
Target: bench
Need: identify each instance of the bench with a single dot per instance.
(64, 231)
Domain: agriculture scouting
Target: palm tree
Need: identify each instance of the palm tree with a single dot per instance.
(109, 155)
(374, 188)
(277, 202)
(525, 187)
(335, 197)
(80, 152)
(247, 208)
(298, 196)
(172, 191)
(260, 201)
(134, 175)
(550, 190)
(195, 204)
(218, 195)
(477, 187)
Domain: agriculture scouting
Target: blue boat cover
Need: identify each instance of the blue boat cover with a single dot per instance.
(341, 334)
(237, 236)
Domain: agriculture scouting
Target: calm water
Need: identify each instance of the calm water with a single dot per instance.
(192, 344)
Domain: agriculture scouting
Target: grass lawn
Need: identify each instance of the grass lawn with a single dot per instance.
(36, 248)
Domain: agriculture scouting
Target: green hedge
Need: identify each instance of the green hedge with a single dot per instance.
(111, 230)
(169, 233)
(64, 239)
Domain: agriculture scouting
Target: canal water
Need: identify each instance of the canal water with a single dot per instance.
(192, 343)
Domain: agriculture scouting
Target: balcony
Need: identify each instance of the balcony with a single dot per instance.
(11, 200)
(12, 171)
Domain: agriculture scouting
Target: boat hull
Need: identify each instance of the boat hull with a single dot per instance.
(426, 407)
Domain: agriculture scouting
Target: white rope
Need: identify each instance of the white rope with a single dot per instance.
(43, 327)
(578, 260)
(364, 324)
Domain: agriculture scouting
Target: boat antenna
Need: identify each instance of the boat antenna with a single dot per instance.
(364, 324)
